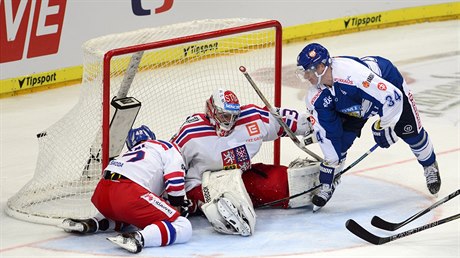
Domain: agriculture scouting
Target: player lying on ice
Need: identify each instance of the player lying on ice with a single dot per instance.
(218, 147)
(346, 92)
(130, 194)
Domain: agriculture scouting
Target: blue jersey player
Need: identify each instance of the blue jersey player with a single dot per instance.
(349, 90)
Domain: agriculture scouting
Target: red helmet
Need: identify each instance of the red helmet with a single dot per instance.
(223, 109)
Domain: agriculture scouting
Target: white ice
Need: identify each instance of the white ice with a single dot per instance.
(388, 183)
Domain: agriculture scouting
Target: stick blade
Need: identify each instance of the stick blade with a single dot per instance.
(383, 224)
(360, 232)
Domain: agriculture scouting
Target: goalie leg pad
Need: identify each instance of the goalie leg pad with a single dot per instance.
(236, 217)
(303, 174)
(228, 206)
(217, 220)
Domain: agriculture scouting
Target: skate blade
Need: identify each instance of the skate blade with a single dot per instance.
(71, 227)
(316, 208)
(126, 244)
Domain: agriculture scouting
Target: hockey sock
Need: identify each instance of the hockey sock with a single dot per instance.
(422, 147)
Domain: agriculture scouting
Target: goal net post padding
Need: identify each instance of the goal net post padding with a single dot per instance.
(171, 70)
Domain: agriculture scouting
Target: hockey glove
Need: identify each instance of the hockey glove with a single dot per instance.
(309, 138)
(184, 208)
(384, 137)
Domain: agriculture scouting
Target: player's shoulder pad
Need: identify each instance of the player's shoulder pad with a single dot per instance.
(349, 71)
(163, 144)
(250, 106)
(313, 95)
(251, 110)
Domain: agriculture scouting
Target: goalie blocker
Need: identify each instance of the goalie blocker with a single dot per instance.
(126, 110)
(228, 206)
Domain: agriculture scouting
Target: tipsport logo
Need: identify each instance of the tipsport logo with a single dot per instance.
(362, 21)
(145, 7)
(31, 81)
(30, 28)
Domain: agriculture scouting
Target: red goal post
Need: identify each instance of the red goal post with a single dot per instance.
(189, 39)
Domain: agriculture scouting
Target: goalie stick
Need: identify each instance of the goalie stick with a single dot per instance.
(362, 233)
(390, 226)
(95, 155)
(316, 187)
(277, 116)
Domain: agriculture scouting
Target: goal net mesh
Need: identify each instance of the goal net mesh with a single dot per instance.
(177, 72)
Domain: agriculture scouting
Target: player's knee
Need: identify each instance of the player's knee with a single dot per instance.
(183, 230)
(266, 183)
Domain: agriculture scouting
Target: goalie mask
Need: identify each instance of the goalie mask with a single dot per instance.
(138, 135)
(309, 60)
(223, 109)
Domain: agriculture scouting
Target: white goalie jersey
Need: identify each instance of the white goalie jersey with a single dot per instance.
(204, 151)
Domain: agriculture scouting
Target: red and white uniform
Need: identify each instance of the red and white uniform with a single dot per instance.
(152, 168)
(203, 150)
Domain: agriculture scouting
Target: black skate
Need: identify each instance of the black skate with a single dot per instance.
(83, 226)
(433, 179)
(325, 194)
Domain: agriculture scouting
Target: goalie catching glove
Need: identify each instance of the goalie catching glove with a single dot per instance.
(384, 137)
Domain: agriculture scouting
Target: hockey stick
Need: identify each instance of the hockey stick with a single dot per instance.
(278, 117)
(316, 187)
(362, 233)
(383, 224)
(128, 78)
(95, 149)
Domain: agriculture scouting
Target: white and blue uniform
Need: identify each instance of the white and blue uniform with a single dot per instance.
(363, 88)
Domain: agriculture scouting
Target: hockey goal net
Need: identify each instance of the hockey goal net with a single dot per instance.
(171, 70)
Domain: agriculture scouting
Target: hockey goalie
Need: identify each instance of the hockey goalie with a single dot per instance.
(218, 146)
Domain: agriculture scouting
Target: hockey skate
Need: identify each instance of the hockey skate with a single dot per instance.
(433, 179)
(133, 242)
(325, 194)
(83, 226)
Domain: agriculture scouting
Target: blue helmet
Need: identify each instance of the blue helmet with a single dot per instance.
(313, 55)
(138, 135)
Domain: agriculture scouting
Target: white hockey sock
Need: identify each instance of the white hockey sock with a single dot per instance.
(183, 230)
(423, 150)
(164, 233)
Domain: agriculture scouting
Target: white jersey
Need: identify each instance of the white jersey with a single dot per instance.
(204, 151)
(361, 88)
(155, 165)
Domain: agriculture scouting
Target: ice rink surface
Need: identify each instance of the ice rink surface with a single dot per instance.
(388, 183)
